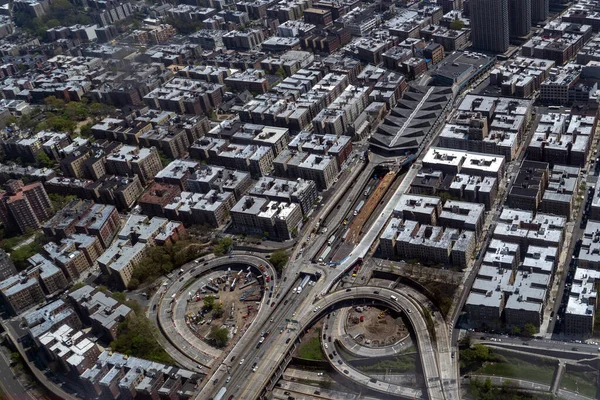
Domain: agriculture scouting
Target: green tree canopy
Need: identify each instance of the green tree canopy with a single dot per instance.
(135, 338)
(209, 302)
(457, 24)
(217, 310)
(220, 336)
(529, 330)
(44, 161)
(279, 259)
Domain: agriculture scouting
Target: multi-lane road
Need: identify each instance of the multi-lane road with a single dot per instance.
(281, 346)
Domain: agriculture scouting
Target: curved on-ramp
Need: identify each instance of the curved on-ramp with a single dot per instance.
(400, 302)
(344, 369)
(359, 350)
(182, 337)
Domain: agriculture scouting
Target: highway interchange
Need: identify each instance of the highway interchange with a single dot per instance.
(265, 363)
(247, 370)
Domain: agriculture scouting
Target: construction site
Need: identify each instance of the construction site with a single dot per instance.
(223, 298)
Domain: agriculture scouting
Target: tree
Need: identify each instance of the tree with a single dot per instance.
(220, 336)
(457, 25)
(135, 337)
(119, 296)
(52, 103)
(515, 330)
(217, 310)
(59, 202)
(86, 130)
(529, 330)
(164, 160)
(76, 286)
(44, 161)
(209, 302)
(280, 73)
(279, 258)
(222, 246)
(99, 109)
(77, 111)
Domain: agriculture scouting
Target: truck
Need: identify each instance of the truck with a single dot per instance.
(324, 254)
(331, 240)
(304, 281)
(358, 207)
(220, 393)
(232, 288)
(212, 288)
(345, 235)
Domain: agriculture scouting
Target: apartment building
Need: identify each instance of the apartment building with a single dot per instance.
(130, 161)
(277, 220)
(23, 206)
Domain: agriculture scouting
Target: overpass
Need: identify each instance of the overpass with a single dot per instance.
(177, 332)
(269, 369)
(344, 369)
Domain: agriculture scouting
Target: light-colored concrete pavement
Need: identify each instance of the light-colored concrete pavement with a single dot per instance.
(336, 330)
(345, 369)
(166, 299)
(435, 389)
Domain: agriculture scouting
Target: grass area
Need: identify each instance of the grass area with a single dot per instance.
(399, 364)
(311, 349)
(480, 389)
(582, 382)
(514, 367)
(9, 243)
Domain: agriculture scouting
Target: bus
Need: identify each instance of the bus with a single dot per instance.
(331, 240)
(220, 393)
(358, 207)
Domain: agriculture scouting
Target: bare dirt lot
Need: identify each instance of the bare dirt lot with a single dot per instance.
(378, 327)
(232, 308)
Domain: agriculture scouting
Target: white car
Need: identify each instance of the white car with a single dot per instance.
(326, 346)
(254, 369)
(242, 361)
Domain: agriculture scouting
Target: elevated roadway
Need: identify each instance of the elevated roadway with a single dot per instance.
(358, 295)
(174, 328)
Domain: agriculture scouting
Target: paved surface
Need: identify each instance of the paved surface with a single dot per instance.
(11, 386)
(39, 375)
(534, 386)
(435, 389)
(582, 350)
(344, 369)
(177, 333)
(335, 329)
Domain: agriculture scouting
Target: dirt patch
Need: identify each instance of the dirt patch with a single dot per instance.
(375, 326)
(238, 305)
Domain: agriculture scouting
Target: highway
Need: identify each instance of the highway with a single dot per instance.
(247, 349)
(345, 369)
(11, 386)
(570, 349)
(181, 337)
(307, 317)
(334, 328)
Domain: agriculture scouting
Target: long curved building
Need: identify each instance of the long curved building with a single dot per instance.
(409, 124)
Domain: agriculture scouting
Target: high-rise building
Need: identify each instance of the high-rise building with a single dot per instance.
(489, 25)
(520, 17)
(539, 10)
(24, 206)
(449, 5)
